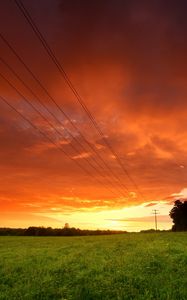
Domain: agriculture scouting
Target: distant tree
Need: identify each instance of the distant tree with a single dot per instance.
(66, 225)
(48, 231)
(179, 215)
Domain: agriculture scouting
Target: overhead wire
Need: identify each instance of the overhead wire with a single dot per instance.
(63, 112)
(52, 141)
(46, 46)
(42, 133)
(52, 114)
(52, 126)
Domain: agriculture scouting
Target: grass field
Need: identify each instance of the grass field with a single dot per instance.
(131, 266)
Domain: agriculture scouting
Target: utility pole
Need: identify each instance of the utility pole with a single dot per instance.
(155, 212)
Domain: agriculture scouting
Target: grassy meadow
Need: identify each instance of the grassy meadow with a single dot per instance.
(131, 266)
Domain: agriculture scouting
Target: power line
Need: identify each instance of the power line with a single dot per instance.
(50, 124)
(42, 133)
(61, 110)
(51, 141)
(52, 114)
(46, 46)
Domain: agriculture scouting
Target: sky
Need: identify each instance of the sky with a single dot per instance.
(127, 61)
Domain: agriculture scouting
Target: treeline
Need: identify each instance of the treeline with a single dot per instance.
(48, 231)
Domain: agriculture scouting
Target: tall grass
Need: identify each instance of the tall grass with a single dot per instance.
(131, 266)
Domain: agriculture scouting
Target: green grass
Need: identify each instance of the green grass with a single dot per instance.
(132, 266)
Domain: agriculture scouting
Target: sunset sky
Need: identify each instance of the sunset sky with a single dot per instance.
(127, 61)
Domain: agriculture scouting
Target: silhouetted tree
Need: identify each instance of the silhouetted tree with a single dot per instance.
(179, 215)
